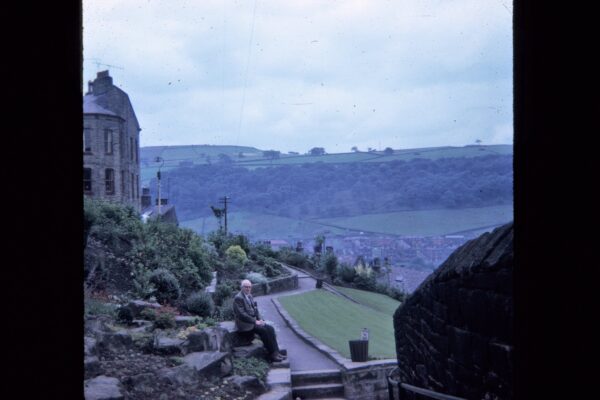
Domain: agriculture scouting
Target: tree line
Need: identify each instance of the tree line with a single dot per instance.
(321, 190)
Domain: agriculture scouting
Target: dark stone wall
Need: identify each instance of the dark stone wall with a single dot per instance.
(276, 285)
(454, 334)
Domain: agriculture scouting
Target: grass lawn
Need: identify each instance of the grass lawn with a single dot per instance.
(379, 302)
(335, 320)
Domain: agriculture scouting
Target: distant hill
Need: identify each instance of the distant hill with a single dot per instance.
(251, 157)
(429, 191)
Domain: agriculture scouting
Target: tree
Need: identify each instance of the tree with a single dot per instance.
(354, 149)
(224, 159)
(271, 154)
(388, 151)
(330, 264)
(317, 151)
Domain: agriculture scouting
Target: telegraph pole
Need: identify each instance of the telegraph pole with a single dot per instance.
(224, 201)
(159, 159)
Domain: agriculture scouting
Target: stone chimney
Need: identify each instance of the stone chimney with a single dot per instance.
(102, 83)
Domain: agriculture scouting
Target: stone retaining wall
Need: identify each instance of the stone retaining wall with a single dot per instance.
(454, 333)
(276, 285)
(368, 382)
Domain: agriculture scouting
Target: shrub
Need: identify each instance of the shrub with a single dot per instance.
(365, 278)
(200, 303)
(346, 273)
(226, 310)
(251, 366)
(148, 314)
(164, 320)
(96, 307)
(329, 264)
(125, 315)
(222, 292)
(235, 254)
(166, 286)
(258, 279)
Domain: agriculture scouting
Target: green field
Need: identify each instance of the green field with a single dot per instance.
(376, 301)
(174, 156)
(335, 320)
(425, 222)
(262, 226)
(407, 223)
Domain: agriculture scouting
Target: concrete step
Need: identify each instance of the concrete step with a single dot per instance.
(281, 364)
(318, 391)
(314, 377)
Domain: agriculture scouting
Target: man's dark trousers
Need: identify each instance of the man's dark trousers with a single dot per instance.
(267, 336)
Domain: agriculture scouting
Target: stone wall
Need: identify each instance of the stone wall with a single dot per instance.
(276, 285)
(367, 382)
(454, 333)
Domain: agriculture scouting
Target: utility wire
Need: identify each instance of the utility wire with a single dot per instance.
(246, 73)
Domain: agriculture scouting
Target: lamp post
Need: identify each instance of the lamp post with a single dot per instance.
(162, 161)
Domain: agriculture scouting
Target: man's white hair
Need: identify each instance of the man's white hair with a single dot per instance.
(245, 281)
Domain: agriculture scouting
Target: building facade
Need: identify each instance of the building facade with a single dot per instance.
(111, 144)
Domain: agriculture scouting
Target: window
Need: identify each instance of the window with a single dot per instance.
(131, 148)
(87, 179)
(109, 177)
(137, 150)
(132, 187)
(87, 140)
(108, 141)
(137, 186)
(122, 183)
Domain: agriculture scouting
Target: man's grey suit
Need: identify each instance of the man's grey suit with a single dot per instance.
(246, 314)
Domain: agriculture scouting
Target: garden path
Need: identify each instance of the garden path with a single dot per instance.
(301, 355)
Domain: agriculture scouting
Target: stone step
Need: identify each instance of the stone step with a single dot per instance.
(278, 393)
(314, 377)
(281, 364)
(318, 391)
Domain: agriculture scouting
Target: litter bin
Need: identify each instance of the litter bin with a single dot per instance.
(359, 350)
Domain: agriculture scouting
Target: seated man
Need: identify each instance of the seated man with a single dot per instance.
(247, 319)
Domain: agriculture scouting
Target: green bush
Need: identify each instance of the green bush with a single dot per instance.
(222, 292)
(164, 320)
(125, 315)
(256, 278)
(236, 254)
(166, 286)
(200, 303)
(346, 273)
(251, 366)
(226, 310)
(97, 307)
(329, 265)
(148, 314)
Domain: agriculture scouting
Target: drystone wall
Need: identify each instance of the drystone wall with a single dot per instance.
(454, 334)
(276, 285)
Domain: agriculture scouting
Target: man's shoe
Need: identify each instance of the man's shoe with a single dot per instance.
(276, 357)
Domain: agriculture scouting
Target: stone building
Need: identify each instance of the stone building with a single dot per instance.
(111, 133)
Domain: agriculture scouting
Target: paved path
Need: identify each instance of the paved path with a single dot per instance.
(301, 355)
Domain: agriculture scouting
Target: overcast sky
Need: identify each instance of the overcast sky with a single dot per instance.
(290, 75)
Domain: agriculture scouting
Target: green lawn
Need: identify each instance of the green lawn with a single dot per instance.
(379, 302)
(335, 320)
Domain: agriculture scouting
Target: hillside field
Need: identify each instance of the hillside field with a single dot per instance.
(408, 223)
(175, 156)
